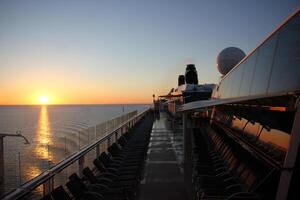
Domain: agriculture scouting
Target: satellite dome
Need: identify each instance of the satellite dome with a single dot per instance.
(228, 58)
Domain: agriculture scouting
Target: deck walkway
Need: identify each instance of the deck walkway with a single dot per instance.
(163, 178)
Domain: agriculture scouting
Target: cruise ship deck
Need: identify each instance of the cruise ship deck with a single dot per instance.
(163, 175)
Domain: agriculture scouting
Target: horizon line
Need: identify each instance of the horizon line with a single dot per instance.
(75, 104)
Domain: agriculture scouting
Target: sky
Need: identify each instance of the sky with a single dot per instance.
(116, 51)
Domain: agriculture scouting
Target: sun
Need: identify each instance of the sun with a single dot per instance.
(44, 100)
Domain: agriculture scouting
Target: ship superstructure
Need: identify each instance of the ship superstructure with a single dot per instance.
(246, 137)
(188, 90)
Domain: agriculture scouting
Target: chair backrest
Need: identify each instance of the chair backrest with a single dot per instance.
(46, 197)
(105, 159)
(239, 161)
(114, 149)
(88, 173)
(99, 165)
(60, 193)
(127, 135)
(106, 156)
(92, 195)
(75, 188)
(122, 141)
(74, 177)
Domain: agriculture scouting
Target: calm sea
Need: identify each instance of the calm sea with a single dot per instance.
(54, 132)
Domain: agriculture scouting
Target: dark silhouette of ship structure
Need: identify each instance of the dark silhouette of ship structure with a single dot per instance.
(239, 139)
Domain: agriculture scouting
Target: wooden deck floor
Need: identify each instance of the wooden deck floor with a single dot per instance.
(163, 177)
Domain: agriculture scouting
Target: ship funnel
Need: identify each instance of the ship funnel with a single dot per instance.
(181, 80)
(191, 76)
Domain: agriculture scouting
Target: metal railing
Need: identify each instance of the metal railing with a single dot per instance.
(46, 179)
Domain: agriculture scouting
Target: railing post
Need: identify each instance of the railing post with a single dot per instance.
(108, 142)
(287, 186)
(19, 168)
(106, 127)
(98, 150)
(48, 154)
(116, 135)
(65, 148)
(80, 165)
(88, 136)
(1, 166)
(78, 140)
(48, 186)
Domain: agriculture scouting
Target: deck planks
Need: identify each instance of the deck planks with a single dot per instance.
(163, 178)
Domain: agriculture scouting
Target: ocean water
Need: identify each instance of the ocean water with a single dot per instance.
(54, 132)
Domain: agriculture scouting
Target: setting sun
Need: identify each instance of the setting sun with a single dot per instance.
(43, 99)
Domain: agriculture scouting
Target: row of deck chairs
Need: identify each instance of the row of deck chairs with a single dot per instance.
(218, 171)
(117, 172)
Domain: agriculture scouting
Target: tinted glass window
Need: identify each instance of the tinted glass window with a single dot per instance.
(224, 87)
(221, 89)
(248, 75)
(236, 83)
(285, 74)
(229, 79)
(232, 77)
(228, 89)
(263, 66)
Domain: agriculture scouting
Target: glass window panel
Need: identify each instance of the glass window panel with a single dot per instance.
(236, 83)
(233, 77)
(228, 88)
(263, 66)
(224, 87)
(221, 89)
(244, 66)
(286, 69)
(248, 75)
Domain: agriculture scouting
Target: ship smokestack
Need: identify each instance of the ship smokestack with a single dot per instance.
(181, 80)
(191, 76)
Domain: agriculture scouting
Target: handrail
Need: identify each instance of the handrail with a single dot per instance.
(215, 102)
(48, 174)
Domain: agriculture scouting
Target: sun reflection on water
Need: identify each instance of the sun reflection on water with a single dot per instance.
(34, 172)
(43, 136)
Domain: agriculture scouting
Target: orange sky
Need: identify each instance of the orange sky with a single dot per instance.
(25, 79)
(82, 97)
(75, 88)
(73, 96)
(104, 52)
(66, 86)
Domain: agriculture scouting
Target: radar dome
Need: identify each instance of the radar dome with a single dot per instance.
(228, 58)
